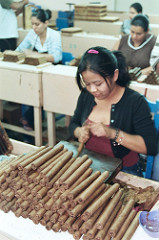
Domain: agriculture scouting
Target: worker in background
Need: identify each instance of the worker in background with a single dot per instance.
(154, 59)
(9, 9)
(40, 41)
(137, 45)
(110, 118)
(135, 8)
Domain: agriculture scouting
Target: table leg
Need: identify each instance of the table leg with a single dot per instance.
(38, 125)
(51, 128)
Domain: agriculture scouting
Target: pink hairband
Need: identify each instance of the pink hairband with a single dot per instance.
(93, 51)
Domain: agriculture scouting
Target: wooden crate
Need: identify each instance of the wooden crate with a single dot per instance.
(27, 12)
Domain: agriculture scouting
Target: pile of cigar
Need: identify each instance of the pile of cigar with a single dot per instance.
(135, 73)
(51, 187)
(5, 144)
(152, 78)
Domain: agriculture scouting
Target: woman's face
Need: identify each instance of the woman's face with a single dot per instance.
(96, 84)
(138, 34)
(38, 26)
(132, 13)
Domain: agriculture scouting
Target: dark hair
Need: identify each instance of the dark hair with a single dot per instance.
(137, 6)
(141, 21)
(42, 15)
(104, 62)
(124, 77)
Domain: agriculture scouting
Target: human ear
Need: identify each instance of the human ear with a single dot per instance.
(116, 74)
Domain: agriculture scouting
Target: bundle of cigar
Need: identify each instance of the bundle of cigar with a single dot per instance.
(13, 56)
(51, 187)
(1, 55)
(135, 73)
(152, 78)
(5, 144)
(35, 60)
(93, 12)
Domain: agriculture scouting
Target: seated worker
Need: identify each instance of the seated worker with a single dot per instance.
(41, 40)
(110, 118)
(137, 46)
(135, 8)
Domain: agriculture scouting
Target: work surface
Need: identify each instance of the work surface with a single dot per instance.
(14, 228)
(100, 162)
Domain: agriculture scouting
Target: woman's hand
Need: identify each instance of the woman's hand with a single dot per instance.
(82, 133)
(100, 129)
(29, 52)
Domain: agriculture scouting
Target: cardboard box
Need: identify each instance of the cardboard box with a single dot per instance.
(11, 113)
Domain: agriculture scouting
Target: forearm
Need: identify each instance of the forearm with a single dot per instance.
(147, 71)
(49, 57)
(132, 142)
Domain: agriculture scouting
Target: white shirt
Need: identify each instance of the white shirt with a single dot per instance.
(154, 59)
(8, 24)
(52, 44)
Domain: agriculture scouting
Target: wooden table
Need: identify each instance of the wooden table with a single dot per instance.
(152, 91)
(109, 28)
(60, 94)
(21, 83)
(13, 228)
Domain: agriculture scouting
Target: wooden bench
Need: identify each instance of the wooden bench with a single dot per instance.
(21, 83)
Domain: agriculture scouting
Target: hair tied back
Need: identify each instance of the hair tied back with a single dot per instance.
(93, 51)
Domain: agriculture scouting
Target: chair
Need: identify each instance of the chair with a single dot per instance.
(154, 107)
(67, 57)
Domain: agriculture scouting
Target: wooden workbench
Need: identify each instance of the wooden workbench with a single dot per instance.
(21, 83)
(14, 228)
(107, 27)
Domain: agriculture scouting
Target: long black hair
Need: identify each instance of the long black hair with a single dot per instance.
(104, 62)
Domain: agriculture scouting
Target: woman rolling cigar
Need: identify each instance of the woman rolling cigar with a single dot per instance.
(137, 46)
(118, 118)
(42, 41)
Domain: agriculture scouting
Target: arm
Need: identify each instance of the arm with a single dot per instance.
(26, 43)
(49, 57)
(125, 28)
(147, 71)
(132, 142)
(54, 47)
(18, 6)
